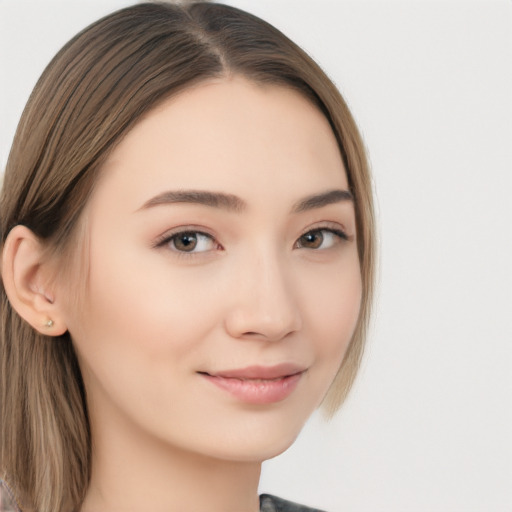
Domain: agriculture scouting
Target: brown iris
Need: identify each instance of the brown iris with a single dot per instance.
(186, 242)
(311, 240)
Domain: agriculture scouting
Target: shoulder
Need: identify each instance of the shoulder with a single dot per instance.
(270, 503)
(7, 501)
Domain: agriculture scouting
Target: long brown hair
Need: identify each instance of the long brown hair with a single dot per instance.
(91, 94)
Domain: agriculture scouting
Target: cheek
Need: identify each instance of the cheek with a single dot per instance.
(330, 312)
(138, 339)
(333, 299)
(138, 315)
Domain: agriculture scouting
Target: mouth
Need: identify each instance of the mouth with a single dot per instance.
(258, 384)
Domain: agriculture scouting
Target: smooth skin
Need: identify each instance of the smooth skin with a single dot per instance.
(221, 235)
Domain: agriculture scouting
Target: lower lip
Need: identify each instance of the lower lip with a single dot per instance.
(255, 391)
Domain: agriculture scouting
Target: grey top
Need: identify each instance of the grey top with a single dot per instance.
(268, 503)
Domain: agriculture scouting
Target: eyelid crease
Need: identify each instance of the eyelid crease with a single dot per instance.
(334, 226)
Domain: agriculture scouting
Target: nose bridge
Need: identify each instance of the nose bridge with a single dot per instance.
(270, 282)
(265, 303)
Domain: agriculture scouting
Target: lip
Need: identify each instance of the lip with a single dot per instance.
(258, 384)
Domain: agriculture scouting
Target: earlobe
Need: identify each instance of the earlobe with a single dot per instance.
(29, 282)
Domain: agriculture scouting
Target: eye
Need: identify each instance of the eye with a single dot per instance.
(189, 242)
(320, 239)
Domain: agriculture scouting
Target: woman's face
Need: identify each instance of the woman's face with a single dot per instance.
(223, 283)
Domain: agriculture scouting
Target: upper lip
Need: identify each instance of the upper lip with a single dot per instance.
(260, 372)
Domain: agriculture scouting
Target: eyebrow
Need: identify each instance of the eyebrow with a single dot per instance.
(319, 200)
(213, 199)
(233, 203)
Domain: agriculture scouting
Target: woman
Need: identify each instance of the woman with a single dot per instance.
(187, 260)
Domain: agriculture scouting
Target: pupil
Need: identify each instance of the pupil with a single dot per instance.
(186, 242)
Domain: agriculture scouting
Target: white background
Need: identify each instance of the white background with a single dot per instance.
(428, 427)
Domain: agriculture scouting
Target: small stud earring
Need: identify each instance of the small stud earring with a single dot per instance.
(49, 323)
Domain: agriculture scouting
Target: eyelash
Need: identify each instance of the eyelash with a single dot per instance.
(341, 235)
(169, 238)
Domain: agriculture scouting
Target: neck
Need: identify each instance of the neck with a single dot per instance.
(137, 473)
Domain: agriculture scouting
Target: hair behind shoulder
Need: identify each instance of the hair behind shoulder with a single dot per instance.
(91, 94)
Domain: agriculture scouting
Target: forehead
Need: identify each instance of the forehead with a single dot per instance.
(231, 135)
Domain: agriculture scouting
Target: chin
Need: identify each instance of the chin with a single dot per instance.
(256, 442)
(253, 452)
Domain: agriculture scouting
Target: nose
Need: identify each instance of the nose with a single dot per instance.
(264, 304)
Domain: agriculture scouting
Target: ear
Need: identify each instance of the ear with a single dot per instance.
(29, 282)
